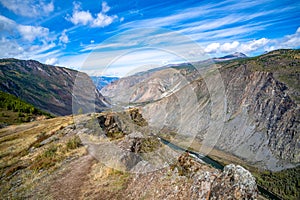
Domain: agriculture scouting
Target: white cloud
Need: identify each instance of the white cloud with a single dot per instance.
(11, 50)
(291, 41)
(229, 47)
(105, 7)
(253, 45)
(236, 46)
(64, 37)
(80, 17)
(287, 42)
(27, 33)
(30, 33)
(29, 8)
(103, 20)
(51, 61)
(212, 48)
(25, 42)
(6, 24)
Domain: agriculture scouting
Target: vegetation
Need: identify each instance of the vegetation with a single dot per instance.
(137, 117)
(33, 152)
(14, 111)
(115, 135)
(74, 143)
(46, 159)
(149, 144)
(285, 183)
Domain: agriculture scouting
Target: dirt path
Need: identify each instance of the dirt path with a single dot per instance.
(68, 183)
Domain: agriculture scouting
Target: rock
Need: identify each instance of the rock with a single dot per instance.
(49, 140)
(234, 182)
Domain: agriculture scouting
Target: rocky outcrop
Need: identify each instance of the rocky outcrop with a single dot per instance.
(57, 90)
(198, 181)
(234, 182)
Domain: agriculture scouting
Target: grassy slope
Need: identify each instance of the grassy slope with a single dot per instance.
(25, 159)
(15, 111)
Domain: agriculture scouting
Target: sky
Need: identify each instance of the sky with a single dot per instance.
(118, 37)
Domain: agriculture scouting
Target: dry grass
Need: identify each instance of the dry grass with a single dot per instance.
(24, 161)
(15, 141)
(105, 183)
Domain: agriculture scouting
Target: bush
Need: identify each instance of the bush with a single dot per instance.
(74, 143)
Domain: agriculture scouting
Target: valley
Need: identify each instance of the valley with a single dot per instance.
(145, 132)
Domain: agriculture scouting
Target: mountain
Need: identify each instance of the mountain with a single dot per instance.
(49, 88)
(102, 81)
(234, 56)
(260, 110)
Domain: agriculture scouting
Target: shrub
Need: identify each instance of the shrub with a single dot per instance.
(74, 143)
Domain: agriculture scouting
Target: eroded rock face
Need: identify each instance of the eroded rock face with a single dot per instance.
(234, 182)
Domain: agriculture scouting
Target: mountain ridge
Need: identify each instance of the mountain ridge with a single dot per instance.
(50, 88)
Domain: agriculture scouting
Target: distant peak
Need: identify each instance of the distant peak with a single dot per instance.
(236, 55)
(240, 54)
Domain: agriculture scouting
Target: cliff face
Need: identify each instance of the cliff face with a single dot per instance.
(261, 116)
(261, 112)
(49, 88)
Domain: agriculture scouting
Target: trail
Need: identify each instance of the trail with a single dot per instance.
(68, 183)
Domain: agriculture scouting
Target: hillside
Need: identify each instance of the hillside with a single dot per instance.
(15, 111)
(104, 156)
(48, 88)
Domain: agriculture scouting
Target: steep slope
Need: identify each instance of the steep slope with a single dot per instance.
(49, 88)
(261, 120)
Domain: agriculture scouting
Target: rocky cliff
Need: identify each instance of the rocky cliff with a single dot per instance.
(260, 111)
(49, 88)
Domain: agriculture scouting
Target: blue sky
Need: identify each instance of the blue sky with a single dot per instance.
(129, 35)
